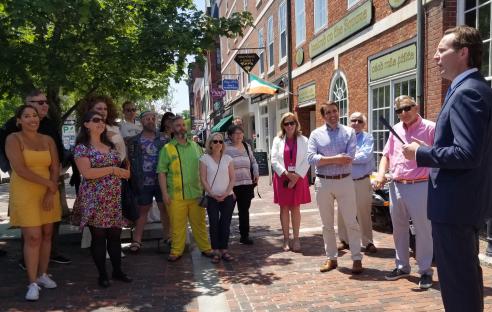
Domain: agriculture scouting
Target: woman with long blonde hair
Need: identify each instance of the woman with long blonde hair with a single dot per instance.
(290, 182)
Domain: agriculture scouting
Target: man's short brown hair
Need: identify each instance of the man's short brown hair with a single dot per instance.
(325, 105)
(468, 37)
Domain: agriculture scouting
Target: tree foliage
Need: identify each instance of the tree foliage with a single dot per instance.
(129, 49)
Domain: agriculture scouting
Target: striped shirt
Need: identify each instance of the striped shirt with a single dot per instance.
(325, 141)
(242, 164)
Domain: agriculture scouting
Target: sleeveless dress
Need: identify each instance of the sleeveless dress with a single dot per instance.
(98, 203)
(26, 197)
(297, 195)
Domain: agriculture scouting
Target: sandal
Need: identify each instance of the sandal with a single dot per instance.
(215, 258)
(296, 245)
(227, 257)
(135, 247)
(173, 258)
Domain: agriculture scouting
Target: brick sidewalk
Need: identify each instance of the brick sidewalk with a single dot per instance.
(263, 278)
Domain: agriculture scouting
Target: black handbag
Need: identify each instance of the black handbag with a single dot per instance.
(129, 206)
(128, 201)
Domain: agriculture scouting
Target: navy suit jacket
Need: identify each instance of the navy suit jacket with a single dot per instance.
(460, 188)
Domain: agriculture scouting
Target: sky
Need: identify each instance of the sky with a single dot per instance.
(181, 94)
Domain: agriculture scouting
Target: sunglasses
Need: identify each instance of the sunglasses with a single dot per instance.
(128, 110)
(97, 120)
(358, 121)
(401, 109)
(289, 123)
(217, 141)
(40, 102)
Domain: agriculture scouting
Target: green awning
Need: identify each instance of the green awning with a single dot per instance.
(222, 125)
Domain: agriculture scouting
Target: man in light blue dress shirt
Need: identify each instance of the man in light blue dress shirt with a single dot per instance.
(362, 167)
(331, 149)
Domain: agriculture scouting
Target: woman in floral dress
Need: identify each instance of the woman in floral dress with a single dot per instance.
(98, 203)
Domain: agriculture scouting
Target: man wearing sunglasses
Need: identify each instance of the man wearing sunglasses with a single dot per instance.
(38, 100)
(461, 176)
(362, 167)
(408, 192)
(130, 126)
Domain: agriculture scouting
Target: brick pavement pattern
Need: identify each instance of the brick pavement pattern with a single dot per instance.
(263, 277)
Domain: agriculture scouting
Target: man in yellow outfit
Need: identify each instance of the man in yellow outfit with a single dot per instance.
(179, 180)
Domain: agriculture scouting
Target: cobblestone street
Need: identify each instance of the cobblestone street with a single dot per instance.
(263, 278)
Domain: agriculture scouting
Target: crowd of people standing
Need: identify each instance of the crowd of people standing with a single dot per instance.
(189, 182)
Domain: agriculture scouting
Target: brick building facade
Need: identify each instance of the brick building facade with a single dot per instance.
(359, 53)
(374, 61)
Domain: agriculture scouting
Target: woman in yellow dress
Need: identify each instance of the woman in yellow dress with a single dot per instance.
(34, 199)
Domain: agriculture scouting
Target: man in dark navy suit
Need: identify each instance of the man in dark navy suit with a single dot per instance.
(461, 175)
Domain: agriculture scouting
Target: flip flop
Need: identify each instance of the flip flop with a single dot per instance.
(135, 247)
(215, 259)
(227, 257)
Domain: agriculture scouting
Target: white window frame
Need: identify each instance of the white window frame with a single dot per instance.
(343, 111)
(351, 3)
(300, 19)
(320, 4)
(245, 5)
(282, 29)
(261, 45)
(270, 45)
(374, 126)
(460, 19)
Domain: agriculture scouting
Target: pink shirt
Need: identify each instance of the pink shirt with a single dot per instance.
(400, 167)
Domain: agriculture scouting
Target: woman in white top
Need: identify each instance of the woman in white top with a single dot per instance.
(217, 177)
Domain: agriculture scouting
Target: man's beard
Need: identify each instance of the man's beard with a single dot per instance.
(180, 134)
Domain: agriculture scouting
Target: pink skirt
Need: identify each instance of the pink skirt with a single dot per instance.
(295, 196)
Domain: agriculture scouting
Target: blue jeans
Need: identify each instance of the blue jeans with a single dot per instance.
(219, 219)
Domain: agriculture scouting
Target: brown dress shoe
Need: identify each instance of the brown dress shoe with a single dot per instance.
(342, 245)
(370, 248)
(357, 267)
(328, 266)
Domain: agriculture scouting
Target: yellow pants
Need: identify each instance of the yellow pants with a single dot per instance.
(180, 211)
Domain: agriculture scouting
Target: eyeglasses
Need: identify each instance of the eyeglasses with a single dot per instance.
(359, 121)
(217, 141)
(289, 123)
(40, 102)
(405, 108)
(97, 120)
(132, 110)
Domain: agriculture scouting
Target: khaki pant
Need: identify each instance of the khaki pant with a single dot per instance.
(327, 190)
(363, 199)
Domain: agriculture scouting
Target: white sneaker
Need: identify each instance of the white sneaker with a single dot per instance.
(45, 281)
(33, 292)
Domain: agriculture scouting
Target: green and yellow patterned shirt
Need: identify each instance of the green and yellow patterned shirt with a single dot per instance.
(182, 177)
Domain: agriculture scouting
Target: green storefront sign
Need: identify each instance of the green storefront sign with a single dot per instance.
(393, 63)
(350, 24)
(306, 94)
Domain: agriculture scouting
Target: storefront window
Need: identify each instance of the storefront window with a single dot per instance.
(338, 94)
(477, 13)
(382, 97)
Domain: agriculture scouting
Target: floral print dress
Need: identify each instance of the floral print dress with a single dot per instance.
(98, 203)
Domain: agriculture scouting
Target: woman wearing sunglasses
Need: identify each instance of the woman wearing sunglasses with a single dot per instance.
(98, 203)
(217, 177)
(290, 182)
(34, 199)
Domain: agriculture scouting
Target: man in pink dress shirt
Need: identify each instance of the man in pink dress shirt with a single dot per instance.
(408, 191)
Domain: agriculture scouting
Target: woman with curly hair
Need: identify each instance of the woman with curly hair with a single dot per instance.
(105, 106)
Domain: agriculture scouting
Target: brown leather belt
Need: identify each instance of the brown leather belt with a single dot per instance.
(403, 181)
(362, 178)
(334, 177)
